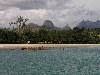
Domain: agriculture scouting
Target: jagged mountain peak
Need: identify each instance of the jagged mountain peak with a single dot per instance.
(89, 24)
(48, 24)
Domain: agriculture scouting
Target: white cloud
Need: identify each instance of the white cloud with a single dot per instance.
(10, 14)
(88, 4)
(61, 12)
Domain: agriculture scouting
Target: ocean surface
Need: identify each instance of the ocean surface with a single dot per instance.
(68, 61)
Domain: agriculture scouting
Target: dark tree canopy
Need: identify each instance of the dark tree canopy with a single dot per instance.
(39, 34)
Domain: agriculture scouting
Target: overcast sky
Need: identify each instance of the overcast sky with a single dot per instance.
(61, 12)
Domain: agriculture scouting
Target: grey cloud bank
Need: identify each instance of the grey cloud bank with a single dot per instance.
(61, 12)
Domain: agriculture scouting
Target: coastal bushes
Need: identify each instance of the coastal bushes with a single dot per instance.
(47, 33)
(43, 35)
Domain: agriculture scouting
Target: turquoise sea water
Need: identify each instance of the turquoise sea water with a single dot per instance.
(70, 61)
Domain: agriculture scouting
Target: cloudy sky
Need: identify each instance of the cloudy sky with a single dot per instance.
(61, 12)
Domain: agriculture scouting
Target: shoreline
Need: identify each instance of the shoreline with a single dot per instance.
(46, 46)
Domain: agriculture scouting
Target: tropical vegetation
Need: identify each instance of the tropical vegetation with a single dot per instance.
(47, 34)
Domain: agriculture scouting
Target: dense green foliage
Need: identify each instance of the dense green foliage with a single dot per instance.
(43, 35)
(48, 33)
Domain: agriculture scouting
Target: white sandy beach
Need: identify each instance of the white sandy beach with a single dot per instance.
(13, 46)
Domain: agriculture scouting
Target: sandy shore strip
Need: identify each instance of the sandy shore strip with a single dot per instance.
(14, 46)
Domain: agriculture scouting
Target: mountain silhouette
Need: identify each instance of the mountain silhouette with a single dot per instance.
(89, 24)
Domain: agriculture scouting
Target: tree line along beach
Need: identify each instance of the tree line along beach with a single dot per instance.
(22, 31)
